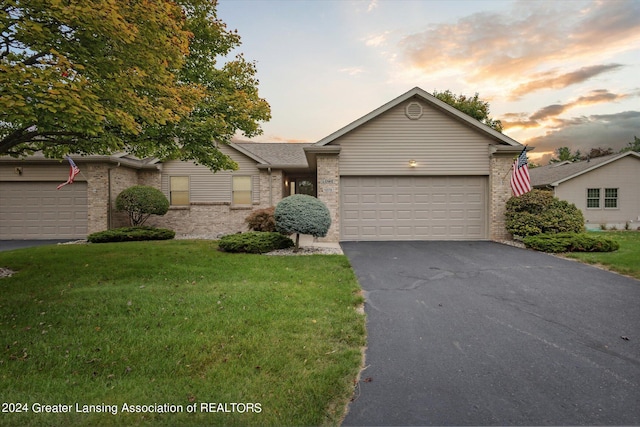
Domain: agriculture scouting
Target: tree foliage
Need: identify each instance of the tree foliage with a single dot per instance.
(538, 211)
(102, 76)
(302, 214)
(140, 202)
(632, 146)
(564, 154)
(262, 220)
(471, 105)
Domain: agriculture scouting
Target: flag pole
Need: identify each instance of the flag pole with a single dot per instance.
(508, 172)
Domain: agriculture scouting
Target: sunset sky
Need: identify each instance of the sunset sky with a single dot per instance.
(557, 73)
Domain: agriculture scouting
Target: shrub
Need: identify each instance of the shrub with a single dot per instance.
(302, 214)
(130, 234)
(262, 220)
(140, 202)
(570, 242)
(539, 212)
(254, 242)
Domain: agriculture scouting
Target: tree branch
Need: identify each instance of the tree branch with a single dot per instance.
(32, 60)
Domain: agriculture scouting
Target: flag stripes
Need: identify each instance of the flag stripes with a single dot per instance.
(73, 171)
(520, 180)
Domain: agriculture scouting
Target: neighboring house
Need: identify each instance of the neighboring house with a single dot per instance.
(413, 169)
(606, 189)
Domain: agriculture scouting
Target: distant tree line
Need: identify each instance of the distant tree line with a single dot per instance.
(564, 154)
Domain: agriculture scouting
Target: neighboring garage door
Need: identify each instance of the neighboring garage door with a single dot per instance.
(36, 210)
(414, 208)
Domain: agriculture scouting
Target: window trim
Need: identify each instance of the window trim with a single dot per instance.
(596, 198)
(616, 199)
(187, 191)
(250, 190)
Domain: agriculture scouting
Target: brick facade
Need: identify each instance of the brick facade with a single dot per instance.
(328, 170)
(213, 220)
(499, 193)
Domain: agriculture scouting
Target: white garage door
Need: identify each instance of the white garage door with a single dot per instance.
(413, 208)
(36, 210)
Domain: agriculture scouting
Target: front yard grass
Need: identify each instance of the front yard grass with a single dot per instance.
(177, 323)
(625, 260)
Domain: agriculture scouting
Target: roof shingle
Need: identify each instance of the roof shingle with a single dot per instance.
(278, 154)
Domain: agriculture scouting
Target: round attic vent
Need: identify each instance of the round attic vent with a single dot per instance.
(413, 111)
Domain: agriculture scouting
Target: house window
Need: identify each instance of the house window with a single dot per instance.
(241, 190)
(611, 198)
(593, 198)
(179, 190)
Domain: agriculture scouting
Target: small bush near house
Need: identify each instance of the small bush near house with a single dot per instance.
(262, 220)
(131, 234)
(254, 242)
(302, 214)
(539, 212)
(140, 202)
(570, 242)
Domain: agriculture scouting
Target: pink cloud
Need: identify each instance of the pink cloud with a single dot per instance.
(513, 45)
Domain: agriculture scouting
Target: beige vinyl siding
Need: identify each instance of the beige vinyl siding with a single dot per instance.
(623, 174)
(40, 172)
(209, 187)
(440, 144)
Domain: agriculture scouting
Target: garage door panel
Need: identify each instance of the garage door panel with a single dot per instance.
(414, 208)
(36, 210)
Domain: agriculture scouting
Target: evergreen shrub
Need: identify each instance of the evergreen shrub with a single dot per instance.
(539, 212)
(130, 234)
(302, 214)
(570, 242)
(254, 242)
(140, 202)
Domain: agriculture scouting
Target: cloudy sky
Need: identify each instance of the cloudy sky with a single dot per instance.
(557, 73)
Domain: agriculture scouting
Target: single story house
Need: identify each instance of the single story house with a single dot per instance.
(606, 189)
(413, 169)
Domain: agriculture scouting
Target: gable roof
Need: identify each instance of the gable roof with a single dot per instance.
(274, 154)
(421, 94)
(556, 173)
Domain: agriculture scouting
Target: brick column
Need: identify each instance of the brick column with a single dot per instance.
(270, 187)
(500, 192)
(328, 170)
(97, 197)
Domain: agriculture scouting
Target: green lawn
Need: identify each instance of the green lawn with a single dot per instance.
(626, 260)
(276, 339)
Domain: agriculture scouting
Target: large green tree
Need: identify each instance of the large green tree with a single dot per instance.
(152, 78)
(471, 105)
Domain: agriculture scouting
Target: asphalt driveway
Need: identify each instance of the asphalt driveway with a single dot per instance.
(9, 245)
(479, 333)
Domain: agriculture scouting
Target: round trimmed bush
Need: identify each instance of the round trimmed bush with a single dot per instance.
(140, 202)
(302, 214)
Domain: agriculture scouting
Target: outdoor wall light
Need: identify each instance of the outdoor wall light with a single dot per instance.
(413, 163)
(18, 170)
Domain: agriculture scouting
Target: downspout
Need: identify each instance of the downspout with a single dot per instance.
(109, 214)
(270, 188)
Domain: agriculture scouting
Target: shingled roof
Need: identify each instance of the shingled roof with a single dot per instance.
(555, 173)
(278, 154)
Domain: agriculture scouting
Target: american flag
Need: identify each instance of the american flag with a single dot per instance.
(520, 181)
(75, 170)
